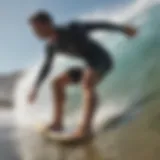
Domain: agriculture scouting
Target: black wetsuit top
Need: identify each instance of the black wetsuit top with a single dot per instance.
(73, 40)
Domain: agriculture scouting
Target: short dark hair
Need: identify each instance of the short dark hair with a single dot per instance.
(41, 16)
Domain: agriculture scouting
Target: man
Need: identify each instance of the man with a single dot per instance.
(73, 39)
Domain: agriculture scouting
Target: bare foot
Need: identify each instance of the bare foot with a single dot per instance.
(81, 134)
(54, 127)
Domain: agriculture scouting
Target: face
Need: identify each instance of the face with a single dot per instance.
(41, 30)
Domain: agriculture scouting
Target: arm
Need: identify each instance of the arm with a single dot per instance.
(103, 26)
(45, 67)
(87, 27)
(43, 74)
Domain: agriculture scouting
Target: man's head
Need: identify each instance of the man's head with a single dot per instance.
(42, 24)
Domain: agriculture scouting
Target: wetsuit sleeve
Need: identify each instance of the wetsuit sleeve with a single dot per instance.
(49, 55)
(87, 27)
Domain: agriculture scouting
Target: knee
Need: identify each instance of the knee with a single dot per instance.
(57, 83)
(89, 92)
(87, 86)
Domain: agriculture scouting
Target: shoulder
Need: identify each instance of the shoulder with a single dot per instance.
(49, 45)
(72, 25)
(75, 24)
(50, 48)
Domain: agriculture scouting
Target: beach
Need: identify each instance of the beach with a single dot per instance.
(138, 139)
(8, 145)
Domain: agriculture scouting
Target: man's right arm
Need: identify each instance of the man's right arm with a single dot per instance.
(46, 67)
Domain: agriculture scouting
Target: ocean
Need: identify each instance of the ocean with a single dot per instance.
(130, 92)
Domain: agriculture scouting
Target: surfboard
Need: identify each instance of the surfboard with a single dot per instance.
(63, 137)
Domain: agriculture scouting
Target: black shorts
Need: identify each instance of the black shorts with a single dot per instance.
(96, 58)
(102, 69)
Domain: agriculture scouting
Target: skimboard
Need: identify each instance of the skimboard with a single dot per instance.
(62, 137)
(64, 141)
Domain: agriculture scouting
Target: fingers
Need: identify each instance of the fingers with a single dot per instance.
(32, 97)
(130, 31)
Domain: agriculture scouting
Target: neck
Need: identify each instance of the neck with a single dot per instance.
(53, 35)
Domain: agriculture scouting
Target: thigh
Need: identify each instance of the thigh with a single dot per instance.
(75, 74)
(90, 78)
(61, 80)
(72, 76)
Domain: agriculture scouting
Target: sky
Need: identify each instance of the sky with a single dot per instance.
(19, 48)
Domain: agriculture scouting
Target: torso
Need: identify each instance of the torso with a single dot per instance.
(75, 42)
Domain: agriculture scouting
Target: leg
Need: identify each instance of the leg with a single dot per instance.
(89, 82)
(58, 88)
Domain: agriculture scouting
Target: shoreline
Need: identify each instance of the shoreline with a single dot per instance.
(8, 141)
(6, 103)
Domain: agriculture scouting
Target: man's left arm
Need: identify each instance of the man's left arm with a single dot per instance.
(90, 26)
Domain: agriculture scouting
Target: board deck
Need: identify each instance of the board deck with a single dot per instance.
(63, 137)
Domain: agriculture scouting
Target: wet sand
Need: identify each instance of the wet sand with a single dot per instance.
(8, 144)
(137, 140)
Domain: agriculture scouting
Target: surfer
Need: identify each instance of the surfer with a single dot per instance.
(73, 39)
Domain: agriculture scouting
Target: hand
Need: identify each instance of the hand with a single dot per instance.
(130, 31)
(32, 96)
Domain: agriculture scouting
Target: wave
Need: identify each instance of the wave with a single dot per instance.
(133, 78)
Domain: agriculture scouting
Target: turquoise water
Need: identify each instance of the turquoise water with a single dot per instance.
(135, 77)
(137, 68)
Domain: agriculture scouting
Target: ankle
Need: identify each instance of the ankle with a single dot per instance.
(85, 127)
(57, 124)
